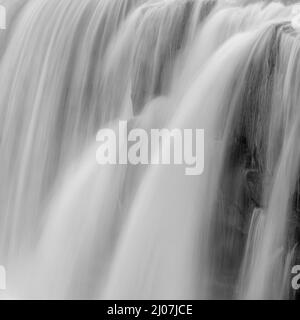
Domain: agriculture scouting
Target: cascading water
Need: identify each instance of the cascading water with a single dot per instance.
(70, 228)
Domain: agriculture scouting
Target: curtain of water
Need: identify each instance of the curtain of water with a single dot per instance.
(70, 228)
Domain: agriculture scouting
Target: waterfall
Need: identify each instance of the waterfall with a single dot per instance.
(73, 229)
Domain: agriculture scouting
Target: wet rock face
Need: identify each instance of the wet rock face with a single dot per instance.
(247, 154)
(246, 176)
(248, 140)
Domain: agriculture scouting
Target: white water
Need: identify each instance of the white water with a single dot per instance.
(70, 228)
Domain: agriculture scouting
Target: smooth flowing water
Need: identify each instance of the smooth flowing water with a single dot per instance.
(71, 228)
